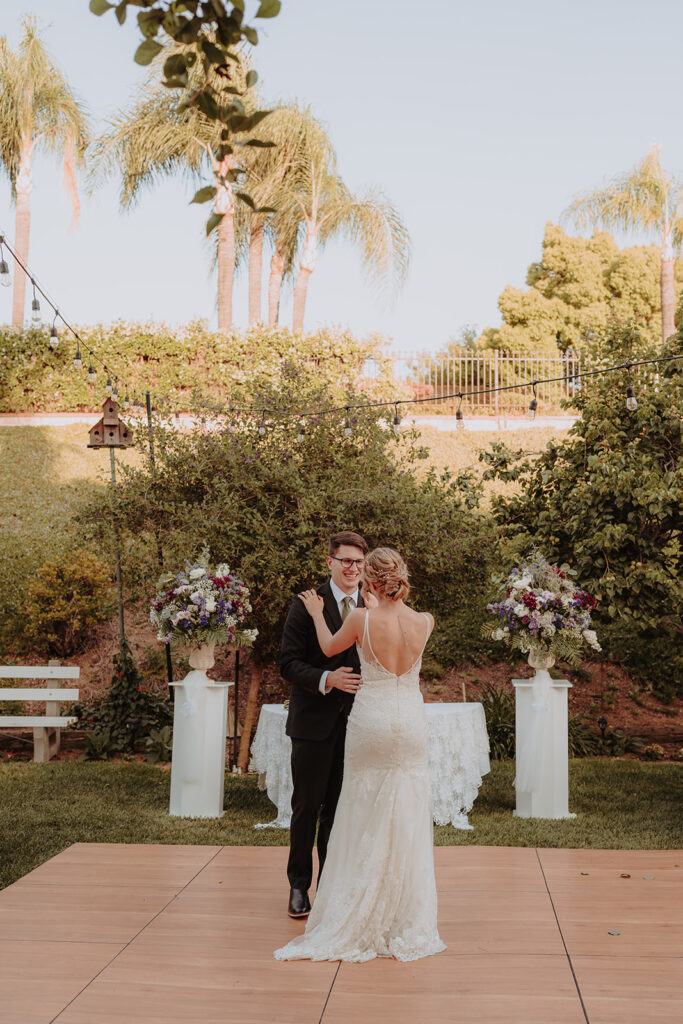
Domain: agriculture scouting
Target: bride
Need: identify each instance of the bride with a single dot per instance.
(377, 893)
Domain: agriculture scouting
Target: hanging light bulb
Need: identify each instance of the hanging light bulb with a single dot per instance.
(631, 400)
(54, 334)
(533, 405)
(396, 425)
(115, 390)
(301, 436)
(459, 421)
(262, 426)
(78, 362)
(348, 429)
(91, 374)
(108, 386)
(126, 401)
(35, 305)
(5, 276)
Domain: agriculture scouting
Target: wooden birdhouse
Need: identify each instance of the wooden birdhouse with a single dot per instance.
(110, 431)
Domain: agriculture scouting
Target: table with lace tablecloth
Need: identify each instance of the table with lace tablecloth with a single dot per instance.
(458, 758)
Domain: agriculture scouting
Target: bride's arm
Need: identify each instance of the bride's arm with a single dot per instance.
(332, 643)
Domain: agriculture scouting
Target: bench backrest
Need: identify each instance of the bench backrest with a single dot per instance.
(39, 672)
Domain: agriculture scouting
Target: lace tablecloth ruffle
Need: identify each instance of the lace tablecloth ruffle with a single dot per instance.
(458, 758)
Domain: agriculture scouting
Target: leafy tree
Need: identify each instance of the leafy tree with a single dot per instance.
(577, 287)
(207, 38)
(606, 499)
(645, 199)
(266, 502)
(38, 113)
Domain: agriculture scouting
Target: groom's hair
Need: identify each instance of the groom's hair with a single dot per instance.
(347, 537)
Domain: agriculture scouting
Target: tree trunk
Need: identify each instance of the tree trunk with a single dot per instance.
(226, 255)
(306, 268)
(22, 231)
(277, 267)
(666, 281)
(300, 290)
(255, 271)
(250, 713)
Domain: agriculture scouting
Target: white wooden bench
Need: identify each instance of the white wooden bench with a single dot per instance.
(46, 728)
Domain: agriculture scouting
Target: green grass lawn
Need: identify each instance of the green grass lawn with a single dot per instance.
(46, 807)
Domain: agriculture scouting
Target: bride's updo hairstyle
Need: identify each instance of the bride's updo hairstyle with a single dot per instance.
(387, 571)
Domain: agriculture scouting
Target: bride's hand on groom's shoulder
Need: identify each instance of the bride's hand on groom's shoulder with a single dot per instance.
(313, 602)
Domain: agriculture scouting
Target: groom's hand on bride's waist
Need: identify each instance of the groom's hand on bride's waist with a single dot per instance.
(344, 679)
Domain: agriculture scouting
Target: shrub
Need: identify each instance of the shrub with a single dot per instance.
(499, 709)
(127, 714)
(158, 745)
(266, 504)
(607, 500)
(176, 361)
(66, 598)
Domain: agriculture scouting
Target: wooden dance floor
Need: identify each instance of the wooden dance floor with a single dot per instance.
(108, 934)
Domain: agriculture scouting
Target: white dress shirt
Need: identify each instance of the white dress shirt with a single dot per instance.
(339, 597)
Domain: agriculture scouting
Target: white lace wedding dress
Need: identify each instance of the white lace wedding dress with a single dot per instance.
(377, 893)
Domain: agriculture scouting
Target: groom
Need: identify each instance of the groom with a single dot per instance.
(321, 698)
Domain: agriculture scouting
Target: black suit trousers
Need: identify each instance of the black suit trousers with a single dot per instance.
(317, 773)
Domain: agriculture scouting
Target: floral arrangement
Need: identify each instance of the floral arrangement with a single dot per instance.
(544, 610)
(201, 605)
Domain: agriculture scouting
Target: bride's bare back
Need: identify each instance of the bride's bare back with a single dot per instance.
(395, 636)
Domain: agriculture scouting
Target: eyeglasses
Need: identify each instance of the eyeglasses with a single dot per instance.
(348, 562)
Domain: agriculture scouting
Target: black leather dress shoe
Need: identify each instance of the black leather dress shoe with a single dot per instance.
(299, 903)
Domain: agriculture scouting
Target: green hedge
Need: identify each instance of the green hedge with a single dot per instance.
(176, 362)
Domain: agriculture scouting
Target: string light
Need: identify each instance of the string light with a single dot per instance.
(126, 401)
(397, 421)
(108, 385)
(459, 421)
(35, 305)
(54, 333)
(301, 436)
(631, 400)
(78, 362)
(348, 429)
(91, 374)
(5, 276)
(533, 405)
(262, 426)
(115, 390)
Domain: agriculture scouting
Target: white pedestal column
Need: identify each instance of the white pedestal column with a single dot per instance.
(199, 731)
(542, 780)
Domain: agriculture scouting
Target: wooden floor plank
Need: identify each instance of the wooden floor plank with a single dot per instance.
(107, 934)
(38, 979)
(631, 990)
(467, 989)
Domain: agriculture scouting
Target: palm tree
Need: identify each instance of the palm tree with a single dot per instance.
(38, 112)
(269, 177)
(151, 140)
(644, 199)
(323, 207)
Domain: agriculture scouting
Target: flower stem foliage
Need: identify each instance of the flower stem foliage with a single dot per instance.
(606, 500)
(266, 503)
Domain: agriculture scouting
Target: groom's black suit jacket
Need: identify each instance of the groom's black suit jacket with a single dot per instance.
(312, 715)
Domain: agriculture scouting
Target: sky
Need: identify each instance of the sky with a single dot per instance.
(480, 121)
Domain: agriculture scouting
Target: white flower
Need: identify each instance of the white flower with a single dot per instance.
(591, 637)
(498, 634)
(196, 574)
(519, 610)
(549, 630)
(210, 605)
